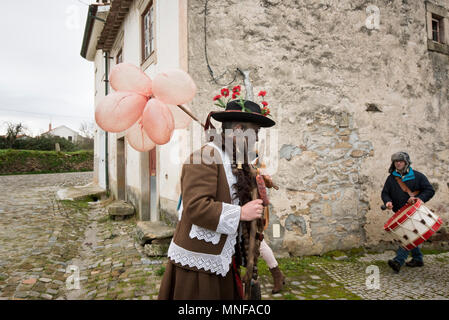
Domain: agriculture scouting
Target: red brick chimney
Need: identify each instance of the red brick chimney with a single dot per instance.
(49, 126)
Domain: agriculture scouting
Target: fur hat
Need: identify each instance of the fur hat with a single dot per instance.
(400, 156)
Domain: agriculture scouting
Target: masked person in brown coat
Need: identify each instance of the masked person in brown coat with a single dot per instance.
(202, 255)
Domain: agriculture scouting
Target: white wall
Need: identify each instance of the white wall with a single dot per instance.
(167, 51)
(65, 132)
(167, 30)
(99, 137)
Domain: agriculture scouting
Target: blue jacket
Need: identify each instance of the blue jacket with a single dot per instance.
(414, 180)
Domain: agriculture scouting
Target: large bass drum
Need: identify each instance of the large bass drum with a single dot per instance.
(413, 224)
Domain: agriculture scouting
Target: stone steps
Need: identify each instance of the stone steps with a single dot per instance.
(78, 193)
(154, 236)
(119, 210)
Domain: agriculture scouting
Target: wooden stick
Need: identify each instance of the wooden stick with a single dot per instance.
(191, 115)
(251, 252)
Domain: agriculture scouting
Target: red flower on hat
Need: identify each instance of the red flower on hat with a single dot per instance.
(225, 92)
(265, 111)
(224, 98)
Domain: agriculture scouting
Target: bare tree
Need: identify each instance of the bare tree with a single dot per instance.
(13, 130)
(87, 129)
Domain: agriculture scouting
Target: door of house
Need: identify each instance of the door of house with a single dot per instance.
(153, 194)
(121, 169)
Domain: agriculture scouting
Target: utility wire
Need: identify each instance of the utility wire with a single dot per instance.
(211, 72)
(45, 114)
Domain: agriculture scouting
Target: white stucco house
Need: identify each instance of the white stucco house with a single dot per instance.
(63, 132)
(131, 31)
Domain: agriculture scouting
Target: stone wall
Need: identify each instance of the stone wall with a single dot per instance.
(344, 98)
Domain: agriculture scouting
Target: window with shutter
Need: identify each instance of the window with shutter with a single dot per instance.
(148, 33)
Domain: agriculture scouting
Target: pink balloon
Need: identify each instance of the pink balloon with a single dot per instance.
(128, 77)
(119, 110)
(158, 121)
(138, 139)
(174, 87)
(182, 119)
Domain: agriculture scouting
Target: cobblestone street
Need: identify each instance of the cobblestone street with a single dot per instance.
(40, 238)
(44, 241)
(430, 282)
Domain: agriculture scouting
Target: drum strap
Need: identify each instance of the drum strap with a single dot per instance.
(405, 188)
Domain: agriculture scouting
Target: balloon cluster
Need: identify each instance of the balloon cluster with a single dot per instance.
(147, 109)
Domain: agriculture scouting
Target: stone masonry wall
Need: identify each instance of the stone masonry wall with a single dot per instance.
(344, 98)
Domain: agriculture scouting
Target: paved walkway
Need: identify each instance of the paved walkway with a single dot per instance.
(45, 243)
(430, 282)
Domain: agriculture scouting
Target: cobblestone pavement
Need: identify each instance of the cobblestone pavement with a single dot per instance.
(44, 242)
(41, 238)
(430, 282)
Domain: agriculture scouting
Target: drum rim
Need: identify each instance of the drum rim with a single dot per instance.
(407, 214)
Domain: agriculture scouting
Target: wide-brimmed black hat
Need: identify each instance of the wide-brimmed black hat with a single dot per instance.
(233, 112)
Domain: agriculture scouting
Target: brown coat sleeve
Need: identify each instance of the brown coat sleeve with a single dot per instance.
(199, 190)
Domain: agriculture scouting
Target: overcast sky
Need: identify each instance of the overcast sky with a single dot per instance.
(43, 77)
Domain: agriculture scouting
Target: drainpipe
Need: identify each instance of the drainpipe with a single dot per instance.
(248, 85)
(106, 91)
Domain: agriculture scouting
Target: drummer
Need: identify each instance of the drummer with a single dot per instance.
(395, 196)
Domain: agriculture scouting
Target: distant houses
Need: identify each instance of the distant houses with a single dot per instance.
(63, 132)
(20, 136)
